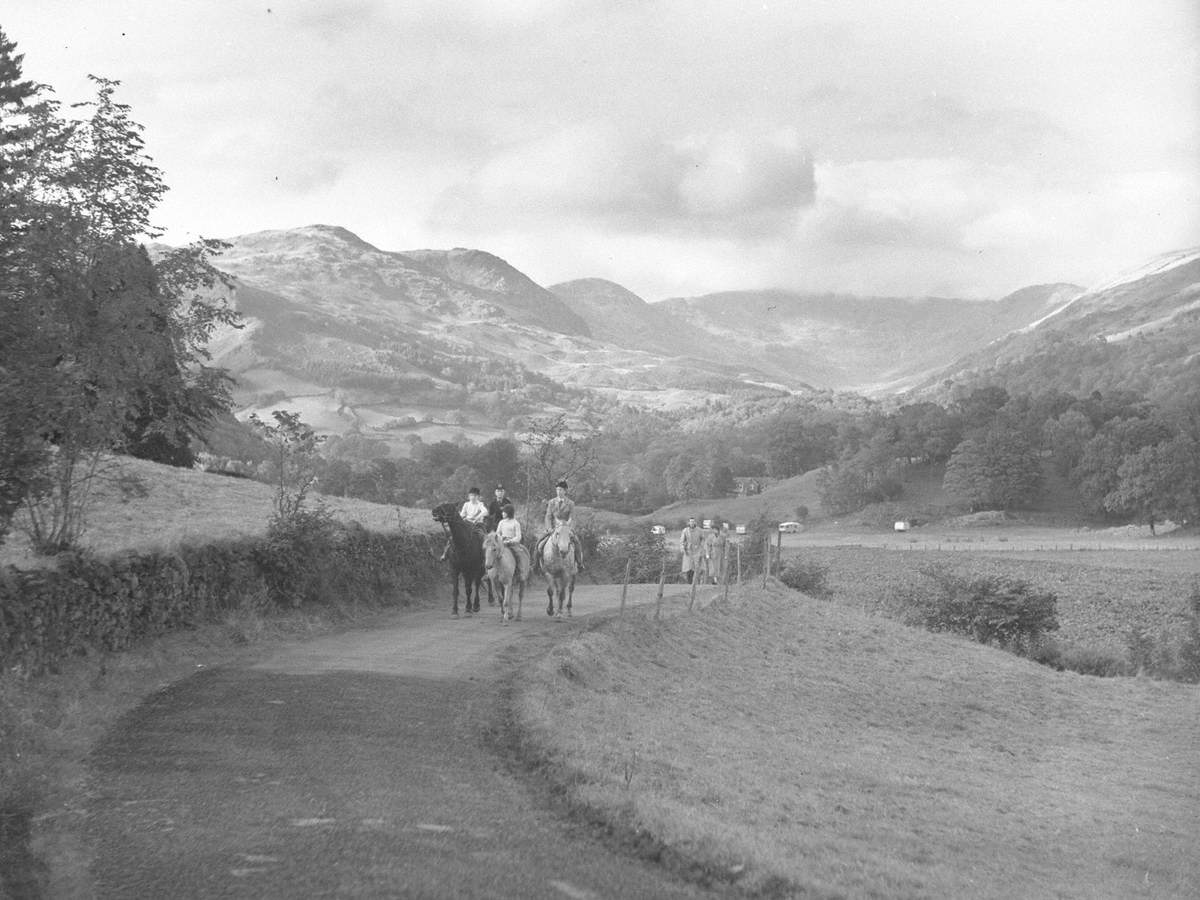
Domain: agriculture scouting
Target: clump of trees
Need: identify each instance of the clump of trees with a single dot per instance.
(103, 346)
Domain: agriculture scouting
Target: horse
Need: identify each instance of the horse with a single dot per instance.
(558, 565)
(503, 571)
(466, 555)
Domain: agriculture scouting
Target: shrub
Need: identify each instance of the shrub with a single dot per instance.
(296, 553)
(1085, 661)
(760, 531)
(991, 609)
(644, 551)
(807, 576)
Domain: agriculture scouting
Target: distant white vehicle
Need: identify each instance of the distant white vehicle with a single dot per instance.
(790, 527)
(658, 529)
(707, 523)
(741, 529)
(903, 525)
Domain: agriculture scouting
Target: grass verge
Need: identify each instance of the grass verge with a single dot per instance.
(797, 747)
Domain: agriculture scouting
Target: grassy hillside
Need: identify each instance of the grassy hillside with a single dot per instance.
(171, 506)
(802, 748)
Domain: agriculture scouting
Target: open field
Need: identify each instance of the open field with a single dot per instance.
(1102, 595)
(803, 747)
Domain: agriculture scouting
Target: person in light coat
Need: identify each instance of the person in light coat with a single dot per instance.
(716, 541)
(691, 545)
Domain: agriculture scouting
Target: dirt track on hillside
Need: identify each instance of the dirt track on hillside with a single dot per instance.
(366, 764)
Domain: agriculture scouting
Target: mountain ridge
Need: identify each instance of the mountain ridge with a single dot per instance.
(399, 335)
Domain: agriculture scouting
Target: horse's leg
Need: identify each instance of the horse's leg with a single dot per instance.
(520, 596)
(570, 594)
(454, 610)
(549, 595)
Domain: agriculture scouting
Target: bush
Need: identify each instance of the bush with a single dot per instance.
(992, 609)
(644, 551)
(809, 577)
(1085, 661)
(760, 531)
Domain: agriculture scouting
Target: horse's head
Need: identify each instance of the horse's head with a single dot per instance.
(445, 513)
(492, 545)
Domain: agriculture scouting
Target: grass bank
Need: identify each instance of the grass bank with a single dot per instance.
(800, 747)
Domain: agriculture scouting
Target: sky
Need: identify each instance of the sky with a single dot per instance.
(962, 148)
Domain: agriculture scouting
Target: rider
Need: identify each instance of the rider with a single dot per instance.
(495, 509)
(509, 530)
(473, 512)
(558, 512)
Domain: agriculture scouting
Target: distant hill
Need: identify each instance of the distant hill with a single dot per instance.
(449, 343)
(1138, 332)
(868, 344)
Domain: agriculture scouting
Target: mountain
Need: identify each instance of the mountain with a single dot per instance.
(868, 344)
(1139, 331)
(515, 292)
(442, 343)
(619, 316)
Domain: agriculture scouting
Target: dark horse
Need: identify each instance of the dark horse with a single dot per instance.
(466, 555)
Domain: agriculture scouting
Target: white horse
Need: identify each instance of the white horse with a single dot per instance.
(505, 574)
(558, 565)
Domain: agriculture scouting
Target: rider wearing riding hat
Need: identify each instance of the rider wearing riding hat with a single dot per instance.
(559, 510)
(495, 508)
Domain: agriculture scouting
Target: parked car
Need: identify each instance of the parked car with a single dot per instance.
(741, 529)
(707, 523)
(791, 527)
(658, 529)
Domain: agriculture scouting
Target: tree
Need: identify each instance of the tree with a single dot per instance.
(1097, 473)
(294, 456)
(21, 451)
(1065, 437)
(996, 468)
(1159, 482)
(103, 350)
(553, 451)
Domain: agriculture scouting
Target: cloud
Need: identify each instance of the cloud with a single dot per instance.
(710, 183)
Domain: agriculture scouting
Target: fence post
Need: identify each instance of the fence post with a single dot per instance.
(662, 579)
(766, 560)
(739, 563)
(625, 586)
(725, 572)
(692, 596)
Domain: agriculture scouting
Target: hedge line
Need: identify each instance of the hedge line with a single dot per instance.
(86, 602)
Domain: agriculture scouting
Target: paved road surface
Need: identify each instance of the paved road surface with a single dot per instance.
(367, 764)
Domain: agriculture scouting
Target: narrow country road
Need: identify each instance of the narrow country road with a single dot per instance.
(366, 764)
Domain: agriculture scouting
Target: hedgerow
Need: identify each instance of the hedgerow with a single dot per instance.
(88, 603)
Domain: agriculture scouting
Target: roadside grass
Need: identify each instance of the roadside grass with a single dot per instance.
(800, 747)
